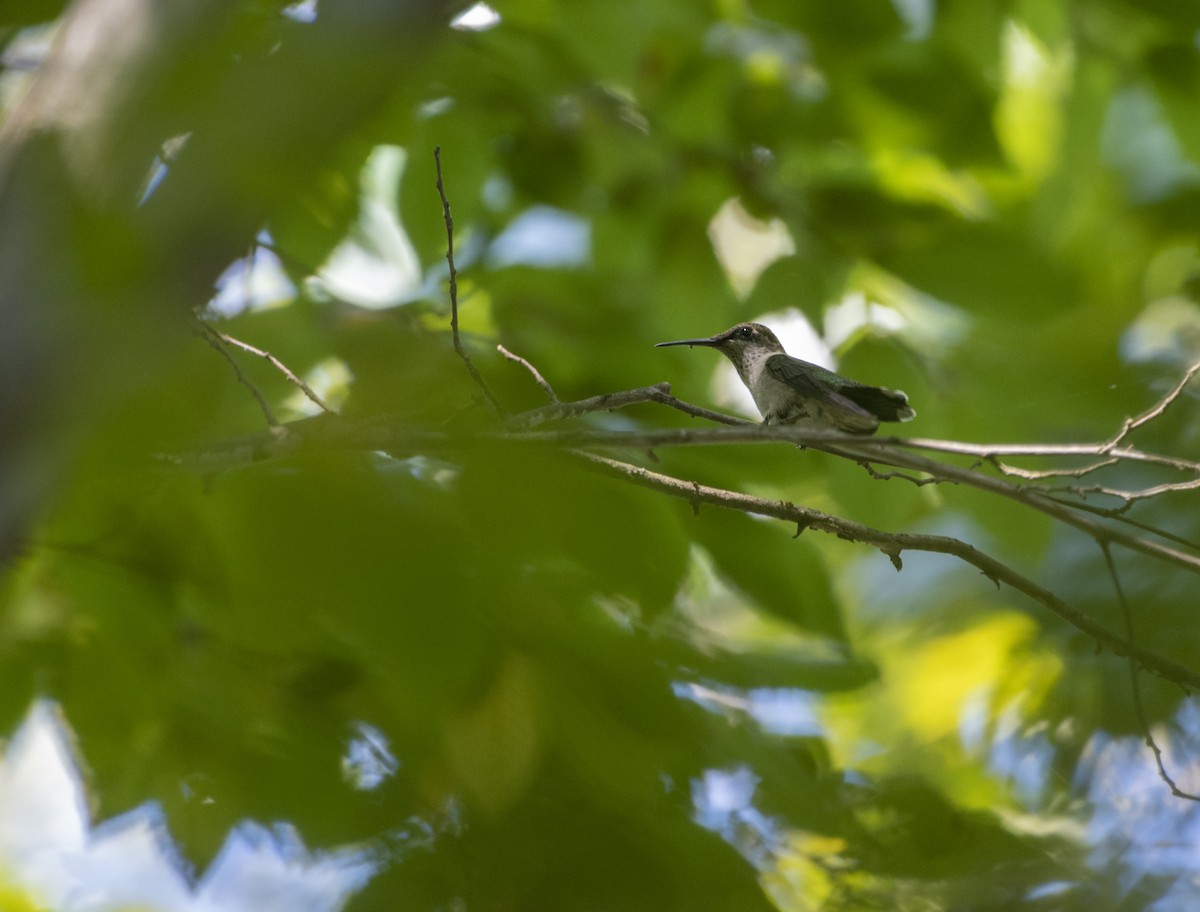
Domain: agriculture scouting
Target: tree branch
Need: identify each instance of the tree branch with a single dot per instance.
(1066, 513)
(879, 450)
(380, 434)
(884, 451)
(893, 544)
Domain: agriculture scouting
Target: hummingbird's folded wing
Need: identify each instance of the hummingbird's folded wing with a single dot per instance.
(818, 384)
(858, 404)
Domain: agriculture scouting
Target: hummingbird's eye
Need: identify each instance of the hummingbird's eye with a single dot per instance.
(745, 332)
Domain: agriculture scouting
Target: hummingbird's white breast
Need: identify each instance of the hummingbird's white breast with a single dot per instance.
(776, 401)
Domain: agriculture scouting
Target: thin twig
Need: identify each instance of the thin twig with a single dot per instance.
(1118, 514)
(1042, 474)
(1110, 448)
(1155, 410)
(216, 341)
(279, 366)
(991, 451)
(1134, 684)
(1128, 496)
(491, 400)
(537, 377)
(607, 402)
(904, 476)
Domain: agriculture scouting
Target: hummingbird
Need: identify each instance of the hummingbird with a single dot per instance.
(790, 391)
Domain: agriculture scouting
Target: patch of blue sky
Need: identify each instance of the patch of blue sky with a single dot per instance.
(53, 856)
(255, 282)
(543, 237)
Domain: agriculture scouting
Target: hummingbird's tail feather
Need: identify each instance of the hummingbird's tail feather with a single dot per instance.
(885, 404)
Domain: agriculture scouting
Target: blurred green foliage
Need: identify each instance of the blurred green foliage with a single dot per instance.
(560, 662)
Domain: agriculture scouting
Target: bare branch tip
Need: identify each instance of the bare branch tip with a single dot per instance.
(489, 398)
(533, 371)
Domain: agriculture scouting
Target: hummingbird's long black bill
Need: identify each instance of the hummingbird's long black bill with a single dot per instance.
(709, 342)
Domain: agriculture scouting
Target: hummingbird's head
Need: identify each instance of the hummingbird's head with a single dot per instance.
(736, 341)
